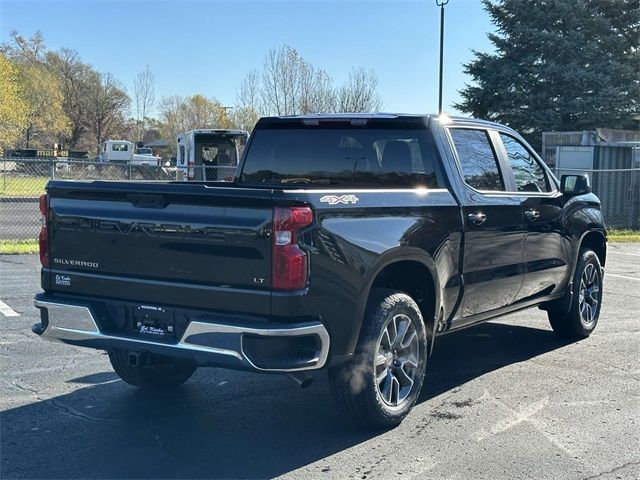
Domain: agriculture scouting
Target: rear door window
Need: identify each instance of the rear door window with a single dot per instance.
(477, 158)
(340, 156)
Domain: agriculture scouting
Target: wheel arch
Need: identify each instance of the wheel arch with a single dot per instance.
(596, 241)
(408, 270)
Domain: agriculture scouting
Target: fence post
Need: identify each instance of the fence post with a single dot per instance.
(4, 175)
(129, 171)
(52, 169)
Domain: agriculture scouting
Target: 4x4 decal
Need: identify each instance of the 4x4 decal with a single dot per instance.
(337, 199)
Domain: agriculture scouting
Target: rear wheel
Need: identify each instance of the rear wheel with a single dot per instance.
(381, 384)
(160, 372)
(586, 301)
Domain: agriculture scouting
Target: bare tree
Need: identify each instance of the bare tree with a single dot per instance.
(281, 80)
(144, 98)
(181, 114)
(317, 92)
(248, 103)
(359, 93)
(290, 85)
(75, 78)
(30, 50)
(107, 108)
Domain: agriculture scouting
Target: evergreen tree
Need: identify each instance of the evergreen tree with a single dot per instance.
(558, 65)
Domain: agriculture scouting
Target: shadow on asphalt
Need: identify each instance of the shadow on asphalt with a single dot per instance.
(96, 378)
(222, 424)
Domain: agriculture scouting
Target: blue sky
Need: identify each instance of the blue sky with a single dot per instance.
(208, 46)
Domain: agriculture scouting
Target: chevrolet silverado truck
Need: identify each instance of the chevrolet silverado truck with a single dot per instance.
(345, 242)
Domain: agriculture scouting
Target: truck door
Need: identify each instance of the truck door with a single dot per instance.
(493, 224)
(546, 250)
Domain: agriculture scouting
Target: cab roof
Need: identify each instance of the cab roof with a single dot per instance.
(220, 131)
(315, 118)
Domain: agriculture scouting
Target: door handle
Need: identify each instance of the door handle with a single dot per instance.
(477, 218)
(532, 214)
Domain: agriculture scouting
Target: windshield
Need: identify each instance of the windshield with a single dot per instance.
(356, 156)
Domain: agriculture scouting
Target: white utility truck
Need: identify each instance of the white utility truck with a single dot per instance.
(209, 154)
(123, 151)
(145, 156)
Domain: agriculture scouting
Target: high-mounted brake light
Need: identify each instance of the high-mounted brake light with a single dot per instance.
(290, 270)
(43, 238)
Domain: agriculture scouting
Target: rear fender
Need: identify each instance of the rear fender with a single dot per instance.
(390, 257)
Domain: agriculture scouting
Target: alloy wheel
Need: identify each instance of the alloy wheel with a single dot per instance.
(396, 361)
(589, 296)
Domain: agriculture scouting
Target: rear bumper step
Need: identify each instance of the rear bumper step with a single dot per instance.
(206, 343)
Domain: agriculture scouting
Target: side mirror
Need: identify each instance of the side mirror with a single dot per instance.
(575, 184)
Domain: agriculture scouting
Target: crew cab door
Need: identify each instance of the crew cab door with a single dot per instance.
(546, 248)
(493, 224)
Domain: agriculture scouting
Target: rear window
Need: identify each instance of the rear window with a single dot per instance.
(356, 156)
(120, 147)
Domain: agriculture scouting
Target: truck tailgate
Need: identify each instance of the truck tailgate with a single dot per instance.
(193, 245)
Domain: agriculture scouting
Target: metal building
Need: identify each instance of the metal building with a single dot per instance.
(612, 160)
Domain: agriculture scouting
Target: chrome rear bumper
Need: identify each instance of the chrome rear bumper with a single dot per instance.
(205, 342)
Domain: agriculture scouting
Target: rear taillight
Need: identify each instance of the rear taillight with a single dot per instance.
(43, 238)
(290, 270)
(191, 171)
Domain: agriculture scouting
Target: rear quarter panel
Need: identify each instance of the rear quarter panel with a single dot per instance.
(350, 243)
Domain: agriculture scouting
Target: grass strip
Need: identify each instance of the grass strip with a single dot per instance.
(624, 236)
(18, 247)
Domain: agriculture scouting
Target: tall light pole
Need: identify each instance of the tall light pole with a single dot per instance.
(441, 4)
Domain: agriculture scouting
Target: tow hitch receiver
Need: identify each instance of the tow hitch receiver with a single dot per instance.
(138, 359)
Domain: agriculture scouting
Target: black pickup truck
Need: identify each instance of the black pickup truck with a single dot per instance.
(345, 242)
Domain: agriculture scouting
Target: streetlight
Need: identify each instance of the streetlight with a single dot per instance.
(441, 4)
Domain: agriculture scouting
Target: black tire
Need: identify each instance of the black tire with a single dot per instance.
(164, 374)
(354, 386)
(586, 302)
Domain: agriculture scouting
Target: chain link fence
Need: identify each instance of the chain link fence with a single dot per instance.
(619, 192)
(22, 181)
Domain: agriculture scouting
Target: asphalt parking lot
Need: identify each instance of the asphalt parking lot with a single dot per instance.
(503, 400)
(19, 218)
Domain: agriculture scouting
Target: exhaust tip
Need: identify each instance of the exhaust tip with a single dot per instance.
(306, 382)
(301, 379)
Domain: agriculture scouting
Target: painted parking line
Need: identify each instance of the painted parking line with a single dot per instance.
(607, 274)
(7, 311)
(615, 252)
